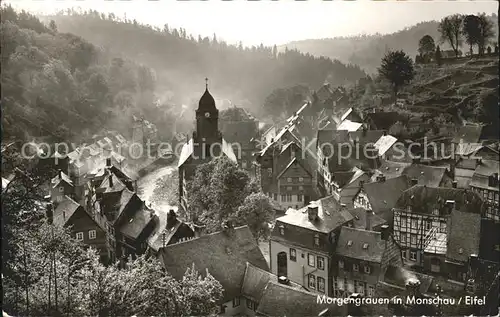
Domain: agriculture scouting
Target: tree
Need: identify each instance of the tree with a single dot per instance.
(485, 33)
(450, 28)
(275, 51)
(397, 68)
(256, 212)
(426, 46)
(471, 31)
(53, 26)
(218, 188)
(489, 50)
(437, 56)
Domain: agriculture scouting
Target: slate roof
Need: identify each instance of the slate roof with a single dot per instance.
(482, 173)
(384, 195)
(224, 255)
(330, 216)
(424, 199)
(359, 218)
(56, 180)
(463, 235)
(256, 280)
(426, 174)
(468, 134)
(188, 150)
(467, 148)
(5, 183)
(133, 226)
(385, 120)
(384, 143)
(463, 177)
(390, 169)
(349, 126)
(282, 300)
(65, 210)
(351, 244)
(366, 136)
(398, 276)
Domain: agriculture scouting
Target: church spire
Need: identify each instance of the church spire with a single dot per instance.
(206, 83)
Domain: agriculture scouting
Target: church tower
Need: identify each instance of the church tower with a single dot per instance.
(207, 119)
(207, 126)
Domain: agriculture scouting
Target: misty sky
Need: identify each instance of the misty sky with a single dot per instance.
(276, 22)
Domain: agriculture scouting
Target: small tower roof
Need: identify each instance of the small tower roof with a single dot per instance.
(207, 102)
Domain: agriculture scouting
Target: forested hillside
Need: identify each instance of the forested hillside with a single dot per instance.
(60, 86)
(367, 51)
(245, 75)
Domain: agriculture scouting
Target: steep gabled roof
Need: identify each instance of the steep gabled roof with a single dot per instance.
(425, 199)
(223, 254)
(293, 161)
(468, 134)
(352, 242)
(61, 177)
(283, 300)
(255, 281)
(384, 195)
(135, 224)
(486, 169)
(463, 235)
(425, 174)
(384, 143)
(359, 218)
(349, 125)
(330, 216)
(65, 210)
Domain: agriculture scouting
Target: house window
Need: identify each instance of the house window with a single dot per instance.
(413, 239)
(79, 236)
(414, 223)
(299, 198)
(312, 281)
(310, 260)
(289, 188)
(341, 264)
(289, 197)
(236, 302)
(321, 263)
(321, 284)
(276, 197)
(293, 255)
(428, 225)
(340, 284)
(92, 234)
(316, 240)
(403, 237)
(301, 187)
(403, 254)
(282, 230)
(355, 267)
(367, 269)
(301, 179)
(61, 189)
(413, 255)
(250, 304)
(403, 222)
(371, 291)
(283, 197)
(289, 179)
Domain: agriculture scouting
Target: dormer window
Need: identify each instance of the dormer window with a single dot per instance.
(355, 267)
(349, 243)
(365, 246)
(341, 264)
(461, 250)
(367, 269)
(316, 239)
(282, 230)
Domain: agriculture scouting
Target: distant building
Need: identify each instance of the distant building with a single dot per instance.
(60, 186)
(240, 128)
(486, 182)
(169, 230)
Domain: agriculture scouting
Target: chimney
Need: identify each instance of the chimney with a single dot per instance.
(450, 204)
(454, 184)
(414, 181)
(361, 183)
(384, 230)
(60, 174)
(369, 214)
(110, 179)
(108, 162)
(171, 219)
(385, 133)
(312, 212)
(283, 280)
